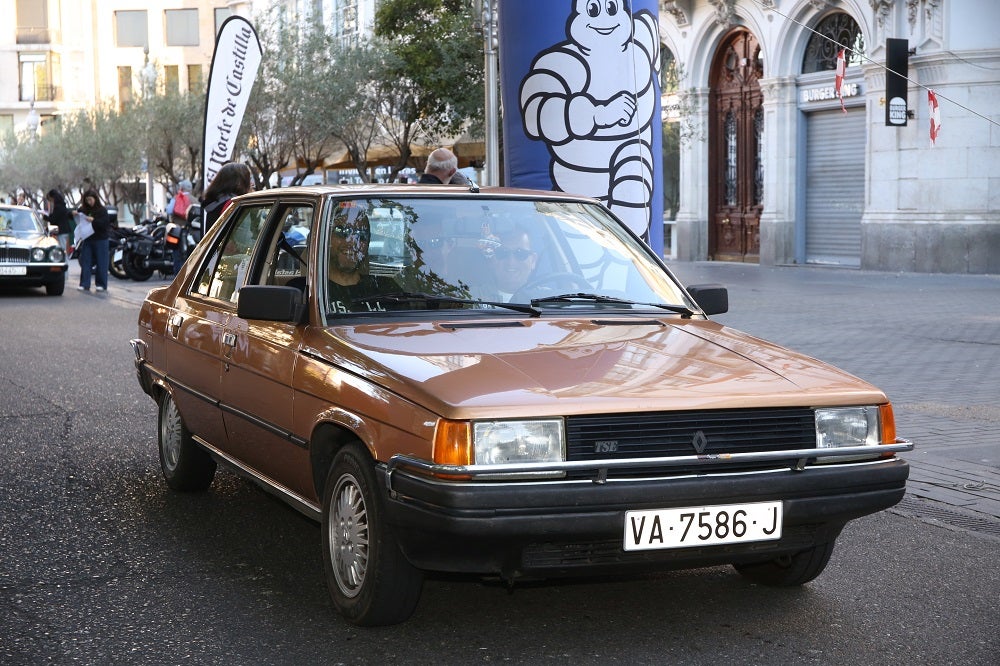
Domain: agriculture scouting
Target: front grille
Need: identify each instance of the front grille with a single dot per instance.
(663, 434)
(13, 255)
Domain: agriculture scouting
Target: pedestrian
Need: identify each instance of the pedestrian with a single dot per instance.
(441, 165)
(58, 214)
(177, 210)
(94, 250)
(232, 180)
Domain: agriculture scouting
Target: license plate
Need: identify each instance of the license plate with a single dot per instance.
(13, 270)
(702, 525)
(119, 253)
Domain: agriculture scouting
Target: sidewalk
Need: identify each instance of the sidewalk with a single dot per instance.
(930, 341)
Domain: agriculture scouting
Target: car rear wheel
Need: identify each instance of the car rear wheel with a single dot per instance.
(370, 580)
(185, 465)
(789, 570)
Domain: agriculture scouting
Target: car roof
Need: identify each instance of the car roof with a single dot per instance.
(403, 189)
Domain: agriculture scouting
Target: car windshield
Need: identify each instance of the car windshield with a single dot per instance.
(486, 253)
(19, 222)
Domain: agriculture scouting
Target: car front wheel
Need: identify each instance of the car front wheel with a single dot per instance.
(789, 570)
(370, 580)
(185, 465)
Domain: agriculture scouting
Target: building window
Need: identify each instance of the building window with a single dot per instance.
(171, 79)
(40, 78)
(182, 27)
(196, 83)
(125, 90)
(131, 28)
(33, 23)
(836, 31)
(221, 14)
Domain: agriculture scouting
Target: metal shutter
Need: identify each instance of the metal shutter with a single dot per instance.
(835, 186)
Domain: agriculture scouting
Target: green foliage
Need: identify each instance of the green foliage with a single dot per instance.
(437, 48)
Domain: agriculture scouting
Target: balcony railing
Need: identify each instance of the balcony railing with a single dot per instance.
(40, 93)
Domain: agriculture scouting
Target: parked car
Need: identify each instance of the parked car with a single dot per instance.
(30, 254)
(518, 387)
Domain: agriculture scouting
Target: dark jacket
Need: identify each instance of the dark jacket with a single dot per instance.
(59, 214)
(211, 210)
(430, 179)
(101, 223)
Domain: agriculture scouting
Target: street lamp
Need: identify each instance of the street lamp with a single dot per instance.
(33, 120)
(147, 81)
(488, 22)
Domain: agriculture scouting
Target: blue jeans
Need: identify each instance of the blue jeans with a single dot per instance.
(94, 252)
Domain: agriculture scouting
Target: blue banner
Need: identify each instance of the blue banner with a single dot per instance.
(580, 92)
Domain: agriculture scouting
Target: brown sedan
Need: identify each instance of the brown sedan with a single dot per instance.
(498, 382)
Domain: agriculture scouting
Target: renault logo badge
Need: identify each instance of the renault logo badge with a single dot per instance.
(699, 442)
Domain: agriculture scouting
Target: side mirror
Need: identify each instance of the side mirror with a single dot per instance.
(270, 303)
(713, 299)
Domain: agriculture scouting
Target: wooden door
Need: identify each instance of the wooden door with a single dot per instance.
(736, 171)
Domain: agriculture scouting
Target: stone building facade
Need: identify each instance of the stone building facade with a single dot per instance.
(775, 168)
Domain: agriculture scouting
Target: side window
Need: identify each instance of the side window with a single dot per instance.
(289, 252)
(227, 268)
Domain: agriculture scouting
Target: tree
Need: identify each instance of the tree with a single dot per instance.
(438, 58)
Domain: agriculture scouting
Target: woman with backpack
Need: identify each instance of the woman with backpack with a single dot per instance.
(232, 180)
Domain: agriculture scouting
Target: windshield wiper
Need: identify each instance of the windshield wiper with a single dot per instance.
(600, 298)
(416, 296)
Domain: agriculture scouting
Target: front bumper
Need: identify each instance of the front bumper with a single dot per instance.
(35, 274)
(574, 527)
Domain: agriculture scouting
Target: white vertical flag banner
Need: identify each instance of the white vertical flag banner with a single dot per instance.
(935, 114)
(234, 68)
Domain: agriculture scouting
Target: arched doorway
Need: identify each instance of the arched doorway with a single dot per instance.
(736, 169)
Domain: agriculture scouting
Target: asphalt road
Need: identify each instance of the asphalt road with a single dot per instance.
(101, 564)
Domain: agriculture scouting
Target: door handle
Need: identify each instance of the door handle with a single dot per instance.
(174, 325)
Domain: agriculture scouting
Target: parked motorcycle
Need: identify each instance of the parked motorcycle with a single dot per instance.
(145, 250)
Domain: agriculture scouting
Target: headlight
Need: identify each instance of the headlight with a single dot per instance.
(847, 426)
(518, 442)
(56, 255)
(38, 254)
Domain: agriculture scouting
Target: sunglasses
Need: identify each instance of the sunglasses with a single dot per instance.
(342, 232)
(437, 243)
(504, 253)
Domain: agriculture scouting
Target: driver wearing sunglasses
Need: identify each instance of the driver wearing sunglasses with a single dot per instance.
(513, 262)
(348, 276)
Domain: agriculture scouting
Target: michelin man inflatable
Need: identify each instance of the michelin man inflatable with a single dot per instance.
(592, 100)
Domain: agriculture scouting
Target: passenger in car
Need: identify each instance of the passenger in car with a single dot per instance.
(350, 284)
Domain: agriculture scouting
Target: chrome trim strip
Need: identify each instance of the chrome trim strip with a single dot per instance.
(296, 501)
(600, 467)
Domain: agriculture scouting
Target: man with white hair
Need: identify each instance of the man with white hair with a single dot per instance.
(441, 166)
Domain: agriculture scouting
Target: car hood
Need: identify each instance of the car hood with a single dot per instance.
(22, 239)
(470, 369)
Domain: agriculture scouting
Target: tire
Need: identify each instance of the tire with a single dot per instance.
(56, 287)
(789, 570)
(117, 269)
(185, 465)
(370, 581)
(135, 267)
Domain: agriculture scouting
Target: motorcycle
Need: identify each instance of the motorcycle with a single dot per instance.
(145, 250)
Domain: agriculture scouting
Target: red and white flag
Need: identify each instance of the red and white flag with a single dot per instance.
(932, 104)
(839, 81)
